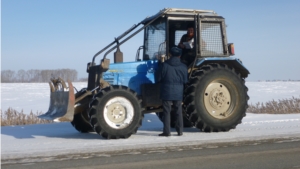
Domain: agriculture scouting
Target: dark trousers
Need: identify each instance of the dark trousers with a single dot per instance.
(167, 115)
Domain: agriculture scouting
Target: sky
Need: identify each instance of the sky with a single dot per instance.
(55, 34)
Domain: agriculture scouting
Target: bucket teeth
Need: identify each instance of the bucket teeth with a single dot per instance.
(62, 101)
(58, 84)
(51, 87)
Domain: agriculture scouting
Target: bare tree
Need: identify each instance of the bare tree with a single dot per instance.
(22, 76)
(7, 76)
(34, 75)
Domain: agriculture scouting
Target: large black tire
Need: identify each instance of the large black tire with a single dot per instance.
(216, 98)
(81, 123)
(81, 120)
(115, 112)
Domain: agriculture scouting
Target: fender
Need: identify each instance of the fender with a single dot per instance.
(230, 61)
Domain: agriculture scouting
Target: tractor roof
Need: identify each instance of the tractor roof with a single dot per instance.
(179, 11)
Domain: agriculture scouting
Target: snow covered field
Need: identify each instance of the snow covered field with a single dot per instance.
(36, 96)
(49, 140)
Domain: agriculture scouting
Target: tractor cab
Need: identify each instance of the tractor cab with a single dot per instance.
(165, 30)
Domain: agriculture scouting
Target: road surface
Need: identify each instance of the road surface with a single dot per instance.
(56, 142)
(273, 154)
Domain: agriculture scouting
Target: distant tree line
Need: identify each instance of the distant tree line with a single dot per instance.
(279, 80)
(34, 75)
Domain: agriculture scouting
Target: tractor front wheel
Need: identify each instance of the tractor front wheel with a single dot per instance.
(115, 112)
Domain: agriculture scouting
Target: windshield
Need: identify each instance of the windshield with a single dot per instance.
(155, 37)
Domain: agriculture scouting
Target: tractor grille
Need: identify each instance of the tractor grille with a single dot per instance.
(109, 80)
(109, 77)
(211, 39)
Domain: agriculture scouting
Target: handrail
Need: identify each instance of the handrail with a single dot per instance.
(116, 39)
(137, 56)
(124, 34)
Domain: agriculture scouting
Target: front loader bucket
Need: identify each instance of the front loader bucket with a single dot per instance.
(62, 100)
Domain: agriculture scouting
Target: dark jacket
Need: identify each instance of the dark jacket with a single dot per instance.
(172, 75)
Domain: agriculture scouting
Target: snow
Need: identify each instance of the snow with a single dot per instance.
(49, 140)
(267, 91)
(35, 97)
(28, 97)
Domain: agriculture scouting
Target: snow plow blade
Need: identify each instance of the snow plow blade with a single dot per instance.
(62, 101)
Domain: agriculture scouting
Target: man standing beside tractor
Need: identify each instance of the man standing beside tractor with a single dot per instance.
(172, 76)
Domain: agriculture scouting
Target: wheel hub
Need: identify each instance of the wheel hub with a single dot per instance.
(116, 113)
(217, 100)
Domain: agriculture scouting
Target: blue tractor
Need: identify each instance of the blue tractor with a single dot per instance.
(119, 94)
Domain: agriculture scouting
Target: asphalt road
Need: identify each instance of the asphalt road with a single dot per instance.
(273, 154)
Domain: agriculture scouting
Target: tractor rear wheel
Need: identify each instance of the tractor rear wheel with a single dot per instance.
(216, 98)
(115, 112)
(81, 120)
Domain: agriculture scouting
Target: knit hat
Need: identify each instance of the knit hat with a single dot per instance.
(175, 51)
